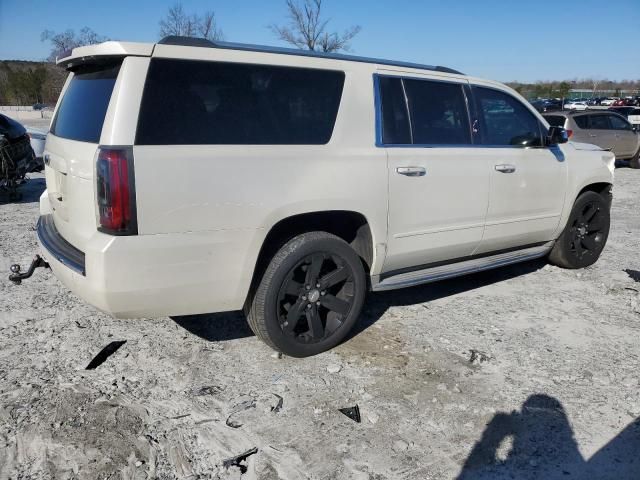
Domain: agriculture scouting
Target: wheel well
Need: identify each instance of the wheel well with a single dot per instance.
(350, 226)
(599, 188)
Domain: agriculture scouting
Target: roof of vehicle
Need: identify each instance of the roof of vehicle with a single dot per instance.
(109, 49)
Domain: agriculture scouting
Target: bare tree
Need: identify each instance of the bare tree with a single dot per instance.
(308, 30)
(178, 22)
(67, 40)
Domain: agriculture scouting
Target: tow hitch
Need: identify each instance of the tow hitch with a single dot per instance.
(17, 277)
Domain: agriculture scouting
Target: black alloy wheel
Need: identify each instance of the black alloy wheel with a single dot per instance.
(315, 298)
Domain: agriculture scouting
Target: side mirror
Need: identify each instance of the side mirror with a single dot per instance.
(557, 135)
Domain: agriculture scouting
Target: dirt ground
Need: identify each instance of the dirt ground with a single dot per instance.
(523, 372)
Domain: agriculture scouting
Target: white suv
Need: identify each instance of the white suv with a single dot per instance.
(187, 177)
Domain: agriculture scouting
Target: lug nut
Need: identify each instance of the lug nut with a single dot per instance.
(309, 306)
(304, 297)
(318, 303)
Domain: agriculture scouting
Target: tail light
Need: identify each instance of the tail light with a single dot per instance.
(115, 192)
(569, 133)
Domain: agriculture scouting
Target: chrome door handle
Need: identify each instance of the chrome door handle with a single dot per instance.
(505, 168)
(592, 135)
(412, 171)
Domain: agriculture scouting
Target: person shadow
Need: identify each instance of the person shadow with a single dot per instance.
(537, 442)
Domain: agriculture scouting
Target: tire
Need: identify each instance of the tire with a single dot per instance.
(585, 234)
(290, 313)
(634, 162)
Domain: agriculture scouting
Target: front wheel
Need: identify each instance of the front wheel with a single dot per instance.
(585, 234)
(310, 295)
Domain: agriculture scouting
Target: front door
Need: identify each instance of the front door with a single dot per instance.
(528, 180)
(626, 140)
(438, 181)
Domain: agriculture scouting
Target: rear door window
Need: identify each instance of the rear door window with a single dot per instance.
(504, 120)
(599, 122)
(211, 103)
(395, 115)
(82, 110)
(438, 112)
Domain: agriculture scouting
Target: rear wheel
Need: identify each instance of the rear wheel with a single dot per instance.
(310, 296)
(585, 235)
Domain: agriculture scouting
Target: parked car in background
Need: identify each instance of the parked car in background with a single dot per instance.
(607, 102)
(16, 155)
(190, 177)
(634, 117)
(38, 139)
(38, 106)
(543, 105)
(603, 128)
(624, 111)
(576, 105)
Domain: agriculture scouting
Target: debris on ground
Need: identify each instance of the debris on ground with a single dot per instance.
(239, 407)
(478, 357)
(334, 368)
(104, 354)
(239, 460)
(278, 406)
(352, 412)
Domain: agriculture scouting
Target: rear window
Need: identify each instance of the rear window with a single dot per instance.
(216, 103)
(82, 109)
(555, 120)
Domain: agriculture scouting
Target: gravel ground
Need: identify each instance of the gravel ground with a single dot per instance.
(523, 372)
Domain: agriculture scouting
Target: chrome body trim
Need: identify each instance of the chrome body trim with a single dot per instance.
(457, 269)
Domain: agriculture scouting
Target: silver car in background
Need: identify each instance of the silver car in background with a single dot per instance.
(606, 129)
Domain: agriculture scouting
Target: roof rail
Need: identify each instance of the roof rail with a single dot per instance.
(203, 42)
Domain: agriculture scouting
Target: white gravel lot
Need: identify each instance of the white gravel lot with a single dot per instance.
(554, 393)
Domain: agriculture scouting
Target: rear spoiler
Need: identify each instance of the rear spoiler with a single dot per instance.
(102, 51)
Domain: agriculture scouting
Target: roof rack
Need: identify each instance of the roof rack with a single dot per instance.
(203, 42)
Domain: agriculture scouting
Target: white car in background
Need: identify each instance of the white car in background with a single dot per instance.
(576, 106)
(607, 102)
(38, 139)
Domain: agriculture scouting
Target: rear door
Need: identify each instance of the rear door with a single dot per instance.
(528, 180)
(438, 180)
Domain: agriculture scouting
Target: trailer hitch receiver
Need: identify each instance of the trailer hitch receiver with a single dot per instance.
(17, 276)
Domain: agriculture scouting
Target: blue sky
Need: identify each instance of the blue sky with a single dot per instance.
(499, 39)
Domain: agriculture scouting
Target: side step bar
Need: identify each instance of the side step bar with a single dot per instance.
(457, 269)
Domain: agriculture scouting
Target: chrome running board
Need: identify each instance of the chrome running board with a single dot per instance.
(442, 272)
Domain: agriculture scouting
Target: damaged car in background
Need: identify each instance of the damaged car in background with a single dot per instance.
(17, 158)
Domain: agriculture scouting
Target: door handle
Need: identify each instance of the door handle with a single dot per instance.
(505, 168)
(412, 171)
(592, 135)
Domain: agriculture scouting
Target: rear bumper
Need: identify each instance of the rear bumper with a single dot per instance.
(57, 247)
(153, 275)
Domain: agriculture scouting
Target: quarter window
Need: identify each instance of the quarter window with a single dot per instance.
(504, 120)
(210, 103)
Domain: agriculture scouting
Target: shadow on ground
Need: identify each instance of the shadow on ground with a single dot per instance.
(538, 442)
(233, 325)
(377, 304)
(27, 193)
